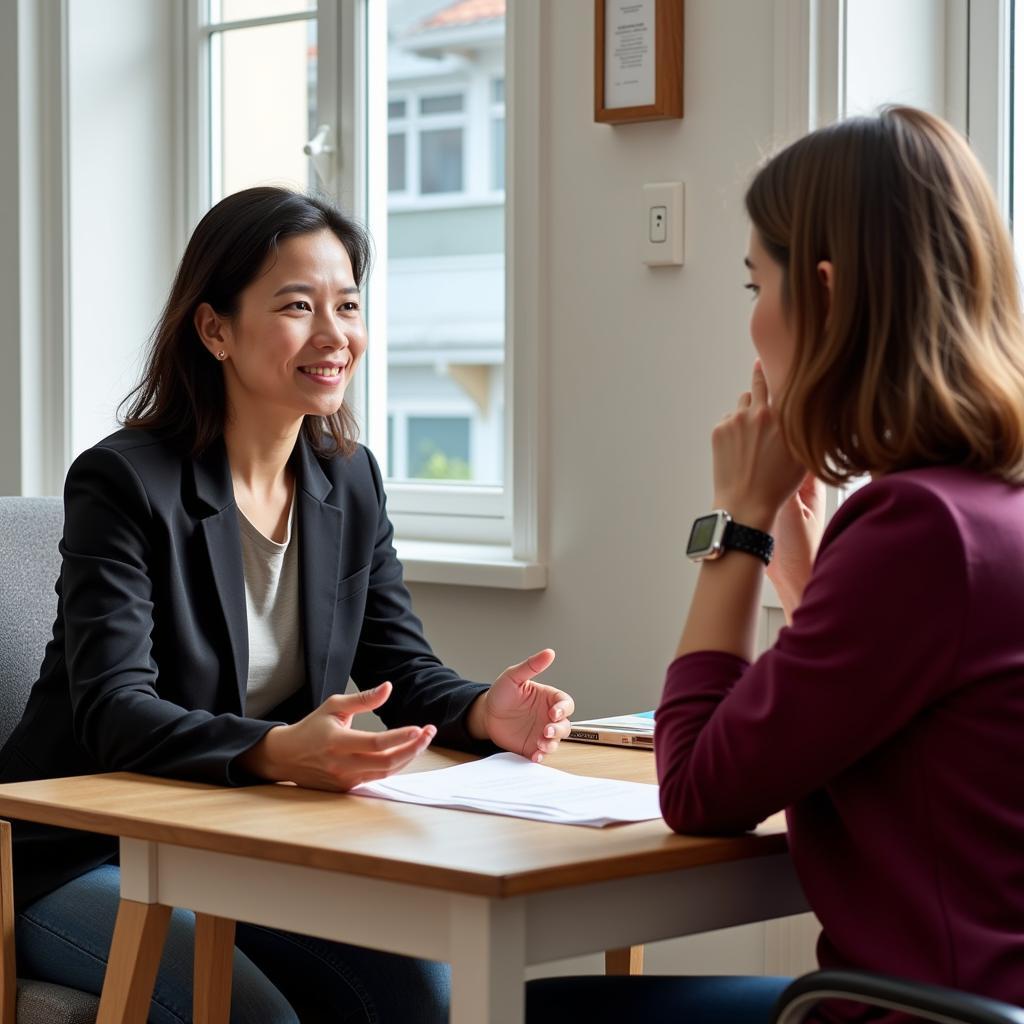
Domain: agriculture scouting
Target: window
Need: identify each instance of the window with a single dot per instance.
(398, 108)
(426, 144)
(253, 125)
(446, 242)
(436, 447)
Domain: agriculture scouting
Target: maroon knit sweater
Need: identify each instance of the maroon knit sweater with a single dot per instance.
(889, 721)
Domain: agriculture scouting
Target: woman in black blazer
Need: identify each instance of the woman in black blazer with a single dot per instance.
(227, 552)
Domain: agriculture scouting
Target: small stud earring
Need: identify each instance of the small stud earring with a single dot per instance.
(222, 355)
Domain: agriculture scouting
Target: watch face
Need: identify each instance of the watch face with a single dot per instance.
(705, 532)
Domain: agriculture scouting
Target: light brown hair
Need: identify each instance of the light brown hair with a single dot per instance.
(917, 357)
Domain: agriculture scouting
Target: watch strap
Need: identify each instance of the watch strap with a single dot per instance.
(745, 538)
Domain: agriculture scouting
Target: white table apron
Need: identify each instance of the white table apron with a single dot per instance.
(488, 941)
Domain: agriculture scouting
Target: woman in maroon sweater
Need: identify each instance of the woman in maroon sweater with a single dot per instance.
(888, 718)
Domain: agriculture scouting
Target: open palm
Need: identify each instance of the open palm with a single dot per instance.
(525, 716)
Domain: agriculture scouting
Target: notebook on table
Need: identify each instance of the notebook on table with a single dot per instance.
(636, 730)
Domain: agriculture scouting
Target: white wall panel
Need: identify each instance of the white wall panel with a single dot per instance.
(125, 168)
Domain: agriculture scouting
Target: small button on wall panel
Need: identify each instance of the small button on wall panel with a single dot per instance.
(664, 219)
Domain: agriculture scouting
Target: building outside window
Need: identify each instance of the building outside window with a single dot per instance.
(446, 240)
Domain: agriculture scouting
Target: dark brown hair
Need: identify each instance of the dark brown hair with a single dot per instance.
(917, 356)
(181, 393)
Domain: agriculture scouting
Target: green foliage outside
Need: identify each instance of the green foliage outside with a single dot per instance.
(434, 464)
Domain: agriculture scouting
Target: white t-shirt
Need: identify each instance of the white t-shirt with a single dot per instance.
(276, 664)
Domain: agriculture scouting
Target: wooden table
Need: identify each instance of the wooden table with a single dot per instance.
(488, 894)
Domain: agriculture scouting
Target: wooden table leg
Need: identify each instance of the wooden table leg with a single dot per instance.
(628, 960)
(215, 947)
(8, 971)
(134, 958)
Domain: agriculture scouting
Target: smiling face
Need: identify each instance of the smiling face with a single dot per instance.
(769, 322)
(293, 345)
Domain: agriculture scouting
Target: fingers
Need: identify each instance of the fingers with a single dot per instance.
(561, 706)
(758, 385)
(811, 491)
(533, 666)
(401, 746)
(357, 703)
(553, 734)
(388, 740)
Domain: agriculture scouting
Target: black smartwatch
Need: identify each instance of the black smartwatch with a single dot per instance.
(712, 535)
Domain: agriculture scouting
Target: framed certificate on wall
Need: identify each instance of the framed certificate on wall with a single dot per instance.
(638, 60)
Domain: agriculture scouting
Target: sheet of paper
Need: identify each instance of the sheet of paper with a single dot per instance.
(629, 52)
(511, 785)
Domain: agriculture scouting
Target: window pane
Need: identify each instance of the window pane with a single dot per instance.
(396, 163)
(439, 448)
(498, 153)
(446, 243)
(396, 109)
(441, 104)
(498, 90)
(263, 106)
(239, 10)
(441, 160)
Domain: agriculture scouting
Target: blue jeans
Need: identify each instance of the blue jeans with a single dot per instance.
(653, 1000)
(278, 977)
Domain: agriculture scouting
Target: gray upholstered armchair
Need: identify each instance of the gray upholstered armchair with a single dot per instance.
(30, 529)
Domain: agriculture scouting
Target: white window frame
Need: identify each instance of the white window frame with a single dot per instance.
(200, 149)
(989, 76)
(402, 126)
(35, 392)
(446, 533)
(459, 533)
(497, 112)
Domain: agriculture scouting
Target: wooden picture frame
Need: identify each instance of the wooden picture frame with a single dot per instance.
(648, 82)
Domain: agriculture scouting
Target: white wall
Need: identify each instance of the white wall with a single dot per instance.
(10, 380)
(125, 222)
(31, 228)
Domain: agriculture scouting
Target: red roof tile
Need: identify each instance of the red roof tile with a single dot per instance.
(464, 12)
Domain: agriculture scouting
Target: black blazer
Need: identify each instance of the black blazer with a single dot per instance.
(147, 668)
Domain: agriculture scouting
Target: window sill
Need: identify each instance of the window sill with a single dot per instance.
(469, 565)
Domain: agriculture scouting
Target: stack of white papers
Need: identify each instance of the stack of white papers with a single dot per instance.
(511, 785)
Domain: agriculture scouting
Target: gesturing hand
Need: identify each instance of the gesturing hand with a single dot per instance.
(323, 751)
(519, 714)
(754, 470)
